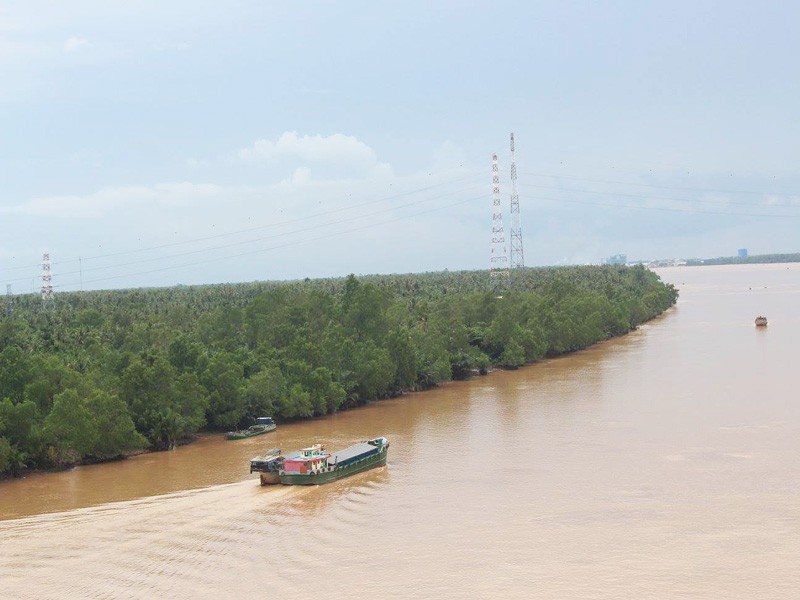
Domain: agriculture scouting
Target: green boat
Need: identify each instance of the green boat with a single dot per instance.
(314, 465)
(270, 464)
(263, 425)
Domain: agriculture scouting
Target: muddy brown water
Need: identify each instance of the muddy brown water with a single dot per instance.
(664, 464)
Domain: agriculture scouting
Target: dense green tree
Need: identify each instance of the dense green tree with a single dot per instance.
(223, 378)
(21, 425)
(296, 403)
(513, 355)
(71, 426)
(433, 359)
(222, 327)
(402, 355)
(101, 372)
(190, 402)
(6, 453)
(116, 433)
(364, 311)
(373, 371)
(146, 388)
(12, 459)
(184, 353)
(263, 393)
(13, 332)
(52, 377)
(15, 372)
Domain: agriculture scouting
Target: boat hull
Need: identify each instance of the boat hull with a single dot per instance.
(240, 435)
(336, 472)
(270, 478)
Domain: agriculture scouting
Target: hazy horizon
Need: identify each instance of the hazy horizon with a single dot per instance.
(151, 146)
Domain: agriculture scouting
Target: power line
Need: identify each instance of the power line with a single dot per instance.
(81, 270)
(280, 246)
(257, 228)
(665, 187)
(649, 197)
(671, 209)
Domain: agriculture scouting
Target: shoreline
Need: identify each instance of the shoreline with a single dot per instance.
(207, 433)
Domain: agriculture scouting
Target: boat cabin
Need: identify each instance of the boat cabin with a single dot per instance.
(308, 460)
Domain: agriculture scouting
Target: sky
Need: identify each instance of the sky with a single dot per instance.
(159, 143)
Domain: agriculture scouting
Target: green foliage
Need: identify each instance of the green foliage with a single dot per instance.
(15, 372)
(12, 459)
(401, 353)
(746, 260)
(70, 425)
(295, 403)
(116, 433)
(184, 353)
(104, 373)
(20, 424)
(6, 452)
(513, 355)
(263, 393)
(223, 378)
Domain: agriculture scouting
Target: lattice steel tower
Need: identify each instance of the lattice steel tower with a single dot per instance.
(9, 305)
(47, 281)
(517, 259)
(498, 262)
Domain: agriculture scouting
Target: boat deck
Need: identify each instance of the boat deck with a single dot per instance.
(351, 453)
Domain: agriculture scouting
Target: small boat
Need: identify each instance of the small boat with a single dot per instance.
(263, 425)
(313, 465)
(761, 321)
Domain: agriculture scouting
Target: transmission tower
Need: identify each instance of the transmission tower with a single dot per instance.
(498, 262)
(47, 281)
(9, 306)
(517, 260)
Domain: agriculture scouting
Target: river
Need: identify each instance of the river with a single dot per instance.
(663, 464)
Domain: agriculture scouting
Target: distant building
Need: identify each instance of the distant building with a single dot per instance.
(617, 259)
(742, 252)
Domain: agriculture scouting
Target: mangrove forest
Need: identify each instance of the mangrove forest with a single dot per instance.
(98, 375)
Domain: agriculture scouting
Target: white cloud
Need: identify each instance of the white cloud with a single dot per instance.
(301, 175)
(75, 43)
(333, 149)
(107, 200)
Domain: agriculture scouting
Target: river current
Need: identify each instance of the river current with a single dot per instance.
(663, 464)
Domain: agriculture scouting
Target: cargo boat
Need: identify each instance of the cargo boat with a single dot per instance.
(270, 464)
(313, 466)
(263, 425)
(761, 321)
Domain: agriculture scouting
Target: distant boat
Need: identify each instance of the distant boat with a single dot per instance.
(761, 321)
(263, 425)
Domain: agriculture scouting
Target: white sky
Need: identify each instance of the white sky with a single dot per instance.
(154, 143)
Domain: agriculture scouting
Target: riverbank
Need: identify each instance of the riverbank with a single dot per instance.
(103, 374)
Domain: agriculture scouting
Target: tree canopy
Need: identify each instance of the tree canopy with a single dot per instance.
(100, 374)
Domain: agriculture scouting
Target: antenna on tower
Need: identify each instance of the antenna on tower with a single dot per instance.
(517, 259)
(498, 262)
(47, 281)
